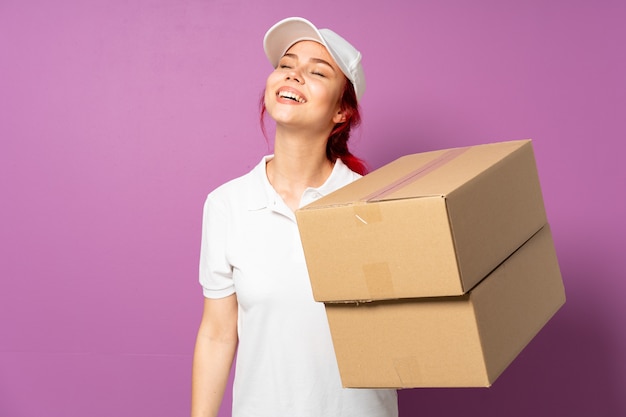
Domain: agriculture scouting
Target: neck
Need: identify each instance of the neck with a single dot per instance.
(299, 162)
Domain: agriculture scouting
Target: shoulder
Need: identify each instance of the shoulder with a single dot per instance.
(238, 191)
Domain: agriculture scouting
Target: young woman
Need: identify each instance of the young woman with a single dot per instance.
(258, 299)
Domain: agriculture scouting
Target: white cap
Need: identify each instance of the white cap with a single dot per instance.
(280, 37)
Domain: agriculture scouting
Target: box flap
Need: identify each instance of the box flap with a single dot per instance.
(409, 176)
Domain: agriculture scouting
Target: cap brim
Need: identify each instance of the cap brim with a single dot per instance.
(280, 37)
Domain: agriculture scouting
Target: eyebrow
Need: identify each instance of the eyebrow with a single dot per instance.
(316, 60)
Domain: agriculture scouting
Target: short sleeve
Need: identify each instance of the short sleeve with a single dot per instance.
(216, 273)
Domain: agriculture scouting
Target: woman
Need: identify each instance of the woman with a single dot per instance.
(258, 298)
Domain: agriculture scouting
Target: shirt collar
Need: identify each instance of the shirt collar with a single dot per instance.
(340, 176)
(259, 196)
(263, 194)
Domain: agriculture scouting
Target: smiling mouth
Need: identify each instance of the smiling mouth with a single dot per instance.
(291, 96)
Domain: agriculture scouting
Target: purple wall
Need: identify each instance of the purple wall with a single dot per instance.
(117, 117)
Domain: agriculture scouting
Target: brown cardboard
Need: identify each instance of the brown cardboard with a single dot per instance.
(429, 224)
(461, 341)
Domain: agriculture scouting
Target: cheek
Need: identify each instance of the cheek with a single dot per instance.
(332, 93)
(324, 93)
(332, 97)
(266, 96)
(273, 78)
(270, 85)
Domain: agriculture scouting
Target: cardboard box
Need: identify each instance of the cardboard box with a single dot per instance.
(429, 224)
(460, 341)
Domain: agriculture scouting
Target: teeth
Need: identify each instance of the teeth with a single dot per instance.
(291, 96)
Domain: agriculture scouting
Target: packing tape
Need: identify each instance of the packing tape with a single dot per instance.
(365, 214)
(417, 173)
(378, 281)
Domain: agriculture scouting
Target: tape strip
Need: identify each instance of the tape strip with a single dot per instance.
(365, 214)
(378, 281)
(417, 173)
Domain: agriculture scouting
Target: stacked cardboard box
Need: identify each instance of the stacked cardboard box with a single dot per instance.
(436, 269)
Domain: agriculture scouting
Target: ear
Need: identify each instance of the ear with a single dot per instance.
(340, 117)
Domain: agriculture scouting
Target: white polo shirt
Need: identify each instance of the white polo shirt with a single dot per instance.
(286, 365)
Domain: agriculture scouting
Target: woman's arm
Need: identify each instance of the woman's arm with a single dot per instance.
(216, 344)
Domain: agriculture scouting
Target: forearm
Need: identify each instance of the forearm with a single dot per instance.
(212, 362)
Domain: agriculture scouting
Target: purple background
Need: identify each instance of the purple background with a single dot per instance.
(117, 117)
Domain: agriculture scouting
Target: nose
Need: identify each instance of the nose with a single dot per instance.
(294, 75)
